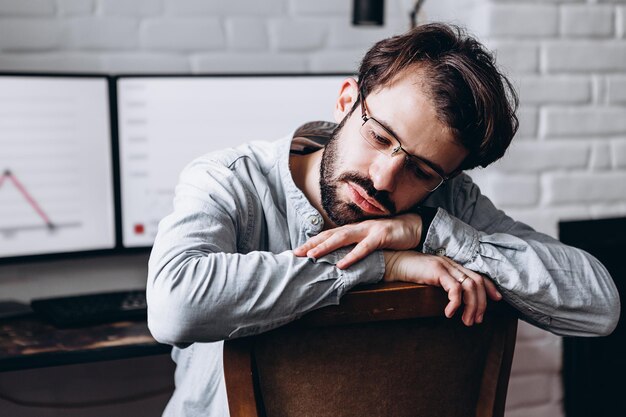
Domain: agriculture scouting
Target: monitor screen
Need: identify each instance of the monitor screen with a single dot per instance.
(165, 122)
(56, 176)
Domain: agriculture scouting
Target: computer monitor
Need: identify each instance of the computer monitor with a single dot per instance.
(56, 172)
(166, 121)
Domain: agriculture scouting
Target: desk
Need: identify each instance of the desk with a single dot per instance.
(29, 342)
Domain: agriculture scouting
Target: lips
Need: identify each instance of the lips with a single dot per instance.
(365, 202)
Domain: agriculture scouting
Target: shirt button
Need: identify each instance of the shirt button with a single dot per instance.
(314, 220)
(440, 252)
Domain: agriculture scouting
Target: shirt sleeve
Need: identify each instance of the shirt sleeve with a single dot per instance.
(557, 287)
(202, 289)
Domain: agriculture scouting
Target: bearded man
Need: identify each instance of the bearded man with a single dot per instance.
(266, 232)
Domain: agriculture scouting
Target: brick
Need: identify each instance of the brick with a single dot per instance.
(513, 190)
(249, 62)
(600, 157)
(545, 410)
(323, 7)
(30, 34)
(518, 57)
(225, 7)
(616, 89)
(75, 7)
(552, 89)
(51, 62)
(27, 8)
(297, 34)
(182, 34)
(344, 35)
(584, 187)
(344, 61)
(537, 356)
(529, 390)
(528, 122)
(600, 211)
(526, 156)
(525, 20)
(587, 21)
(113, 33)
(583, 122)
(130, 8)
(192, 7)
(619, 154)
(584, 56)
(146, 63)
(247, 33)
(546, 219)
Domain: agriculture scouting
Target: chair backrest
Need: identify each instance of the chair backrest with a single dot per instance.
(386, 350)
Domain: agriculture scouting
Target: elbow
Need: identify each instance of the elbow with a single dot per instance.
(166, 328)
(612, 317)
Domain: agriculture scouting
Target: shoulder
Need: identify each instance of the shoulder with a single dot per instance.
(228, 164)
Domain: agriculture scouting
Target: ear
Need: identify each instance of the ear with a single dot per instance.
(348, 95)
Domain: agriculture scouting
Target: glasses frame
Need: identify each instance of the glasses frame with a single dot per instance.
(365, 117)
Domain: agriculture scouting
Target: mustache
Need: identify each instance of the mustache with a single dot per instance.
(382, 197)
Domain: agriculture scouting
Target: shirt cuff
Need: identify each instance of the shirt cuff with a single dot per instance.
(427, 214)
(449, 236)
(368, 270)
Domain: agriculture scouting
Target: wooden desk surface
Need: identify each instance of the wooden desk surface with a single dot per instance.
(29, 342)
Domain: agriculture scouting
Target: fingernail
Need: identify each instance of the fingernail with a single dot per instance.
(498, 294)
(479, 319)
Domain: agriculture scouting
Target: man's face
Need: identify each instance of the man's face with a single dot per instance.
(357, 181)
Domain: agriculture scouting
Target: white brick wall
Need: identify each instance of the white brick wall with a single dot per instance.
(567, 57)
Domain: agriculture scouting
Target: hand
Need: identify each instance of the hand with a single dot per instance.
(461, 284)
(400, 233)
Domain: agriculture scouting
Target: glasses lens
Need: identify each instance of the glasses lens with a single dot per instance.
(380, 139)
(377, 136)
(423, 172)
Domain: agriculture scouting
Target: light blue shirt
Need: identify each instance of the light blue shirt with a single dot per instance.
(222, 267)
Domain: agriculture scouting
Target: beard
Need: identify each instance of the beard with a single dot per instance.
(338, 211)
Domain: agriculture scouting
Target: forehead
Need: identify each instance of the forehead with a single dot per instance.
(406, 108)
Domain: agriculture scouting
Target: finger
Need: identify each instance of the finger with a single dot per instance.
(336, 241)
(492, 290)
(481, 297)
(311, 243)
(360, 251)
(468, 286)
(454, 290)
(478, 289)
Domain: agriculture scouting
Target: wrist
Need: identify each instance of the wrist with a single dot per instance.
(391, 259)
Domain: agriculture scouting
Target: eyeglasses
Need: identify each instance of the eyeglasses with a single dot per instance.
(381, 139)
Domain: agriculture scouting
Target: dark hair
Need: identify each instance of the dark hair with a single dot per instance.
(470, 95)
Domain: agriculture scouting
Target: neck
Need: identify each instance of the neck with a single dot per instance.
(305, 170)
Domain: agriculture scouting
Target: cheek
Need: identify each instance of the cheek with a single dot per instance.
(406, 197)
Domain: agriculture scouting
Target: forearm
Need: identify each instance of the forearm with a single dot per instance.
(557, 287)
(200, 297)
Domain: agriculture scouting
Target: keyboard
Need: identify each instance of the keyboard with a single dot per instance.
(82, 310)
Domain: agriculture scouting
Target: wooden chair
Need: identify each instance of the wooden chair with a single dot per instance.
(386, 350)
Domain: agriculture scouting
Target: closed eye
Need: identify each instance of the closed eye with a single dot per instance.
(418, 171)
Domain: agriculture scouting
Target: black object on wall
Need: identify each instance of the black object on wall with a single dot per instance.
(594, 368)
(368, 12)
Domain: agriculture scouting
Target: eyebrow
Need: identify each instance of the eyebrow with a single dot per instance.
(433, 165)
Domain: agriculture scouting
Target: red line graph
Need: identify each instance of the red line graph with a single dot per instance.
(8, 174)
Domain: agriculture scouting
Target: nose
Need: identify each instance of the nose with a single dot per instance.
(386, 170)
